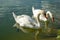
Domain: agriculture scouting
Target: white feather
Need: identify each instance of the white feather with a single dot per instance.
(26, 21)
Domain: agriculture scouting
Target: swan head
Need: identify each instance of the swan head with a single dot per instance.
(43, 12)
(48, 13)
(47, 16)
(52, 18)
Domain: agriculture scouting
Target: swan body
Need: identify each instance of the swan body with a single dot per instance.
(26, 21)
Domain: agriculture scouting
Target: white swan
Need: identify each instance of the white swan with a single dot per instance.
(27, 21)
(43, 15)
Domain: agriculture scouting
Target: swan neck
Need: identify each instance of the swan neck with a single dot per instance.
(49, 13)
(38, 20)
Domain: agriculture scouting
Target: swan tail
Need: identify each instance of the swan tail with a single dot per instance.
(32, 8)
(14, 16)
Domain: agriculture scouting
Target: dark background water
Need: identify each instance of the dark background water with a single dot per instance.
(7, 32)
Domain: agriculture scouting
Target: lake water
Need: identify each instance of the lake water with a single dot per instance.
(7, 32)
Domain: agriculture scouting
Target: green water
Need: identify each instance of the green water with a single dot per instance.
(7, 32)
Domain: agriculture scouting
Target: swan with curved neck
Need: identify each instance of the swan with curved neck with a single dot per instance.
(43, 15)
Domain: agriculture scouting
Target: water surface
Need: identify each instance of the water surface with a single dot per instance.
(7, 32)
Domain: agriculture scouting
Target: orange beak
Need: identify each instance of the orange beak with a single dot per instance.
(46, 16)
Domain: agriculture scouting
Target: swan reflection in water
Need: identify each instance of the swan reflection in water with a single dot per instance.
(29, 30)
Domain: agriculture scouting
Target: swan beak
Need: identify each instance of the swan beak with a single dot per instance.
(46, 16)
